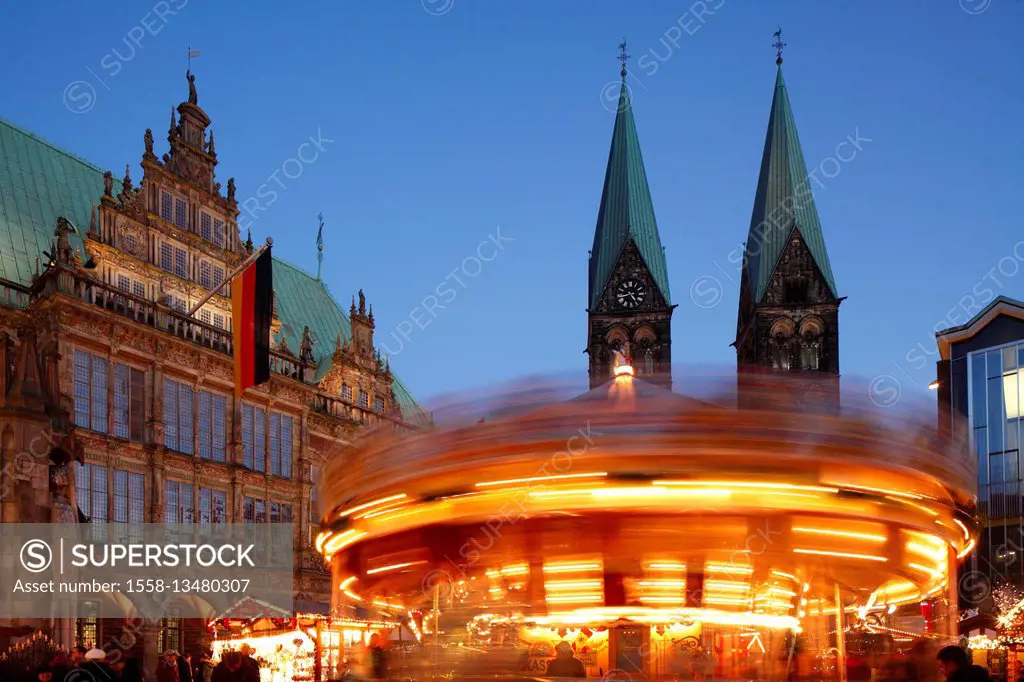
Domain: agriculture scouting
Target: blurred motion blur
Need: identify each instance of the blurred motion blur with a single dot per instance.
(749, 530)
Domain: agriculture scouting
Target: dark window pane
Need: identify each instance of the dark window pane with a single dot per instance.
(996, 418)
(978, 389)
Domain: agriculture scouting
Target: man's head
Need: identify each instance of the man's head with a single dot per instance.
(233, 659)
(563, 650)
(951, 659)
(78, 655)
(171, 656)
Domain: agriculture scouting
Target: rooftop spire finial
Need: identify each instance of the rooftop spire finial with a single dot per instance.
(320, 245)
(778, 45)
(623, 57)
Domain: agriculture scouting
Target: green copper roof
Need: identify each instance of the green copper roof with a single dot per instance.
(40, 182)
(303, 300)
(626, 209)
(783, 201)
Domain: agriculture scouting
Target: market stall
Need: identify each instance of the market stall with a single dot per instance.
(306, 648)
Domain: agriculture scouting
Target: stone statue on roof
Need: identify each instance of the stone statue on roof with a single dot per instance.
(193, 96)
(306, 347)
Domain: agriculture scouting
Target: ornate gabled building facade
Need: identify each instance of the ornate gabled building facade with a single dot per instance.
(115, 405)
(788, 317)
(629, 307)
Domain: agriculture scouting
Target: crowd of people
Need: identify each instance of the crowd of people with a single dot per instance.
(951, 664)
(234, 666)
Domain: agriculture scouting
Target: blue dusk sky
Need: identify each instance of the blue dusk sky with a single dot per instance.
(443, 124)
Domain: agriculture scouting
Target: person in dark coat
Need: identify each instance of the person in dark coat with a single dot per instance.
(185, 668)
(565, 664)
(132, 671)
(956, 666)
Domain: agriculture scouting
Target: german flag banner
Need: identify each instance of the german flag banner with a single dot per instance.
(252, 307)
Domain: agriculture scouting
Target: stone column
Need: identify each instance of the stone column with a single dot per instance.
(150, 630)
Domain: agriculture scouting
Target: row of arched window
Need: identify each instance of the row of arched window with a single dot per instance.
(793, 351)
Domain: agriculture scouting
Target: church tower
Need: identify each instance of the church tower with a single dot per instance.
(789, 307)
(628, 307)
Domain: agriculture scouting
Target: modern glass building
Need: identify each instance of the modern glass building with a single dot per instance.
(981, 399)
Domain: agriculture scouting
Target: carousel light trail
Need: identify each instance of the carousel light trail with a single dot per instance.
(776, 518)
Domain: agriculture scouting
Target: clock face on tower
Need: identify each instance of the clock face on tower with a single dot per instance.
(630, 293)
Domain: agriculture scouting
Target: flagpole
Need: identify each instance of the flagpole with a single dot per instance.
(227, 280)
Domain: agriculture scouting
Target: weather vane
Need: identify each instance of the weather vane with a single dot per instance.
(623, 57)
(778, 45)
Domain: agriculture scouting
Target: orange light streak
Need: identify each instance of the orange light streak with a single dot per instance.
(394, 567)
(533, 479)
(374, 503)
(872, 537)
(845, 555)
(571, 567)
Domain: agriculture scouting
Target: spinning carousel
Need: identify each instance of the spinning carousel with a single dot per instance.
(654, 533)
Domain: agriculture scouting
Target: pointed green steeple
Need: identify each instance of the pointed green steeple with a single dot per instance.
(626, 209)
(783, 202)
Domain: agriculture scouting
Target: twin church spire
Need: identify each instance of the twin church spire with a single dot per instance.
(788, 312)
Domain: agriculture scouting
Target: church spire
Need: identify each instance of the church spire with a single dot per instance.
(626, 211)
(783, 201)
(788, 317)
